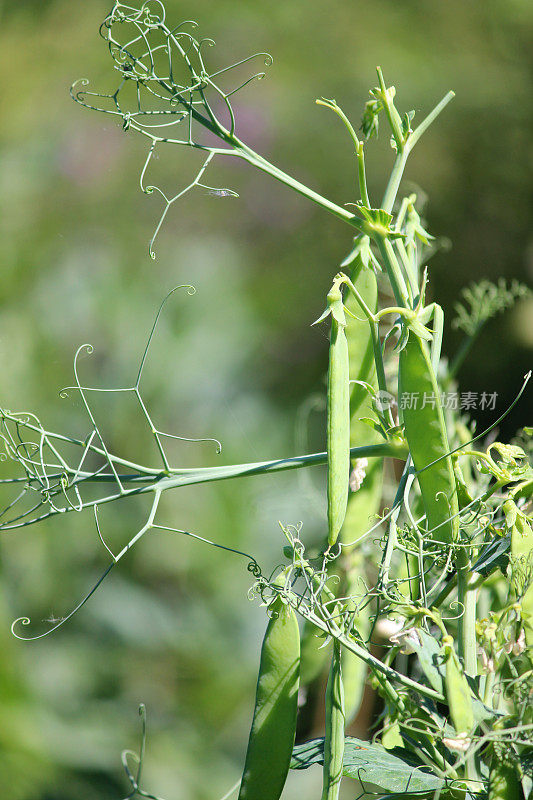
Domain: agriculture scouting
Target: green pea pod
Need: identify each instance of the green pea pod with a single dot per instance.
(426, 436)
(522, 555)
(334, 738)
(504, 783)
(338, 412)
(361, 353)
(274, 722)
(338, 423)
(464, 497)
(458, 692)
(364, 503)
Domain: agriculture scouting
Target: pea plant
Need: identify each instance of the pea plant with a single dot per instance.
(440, 584)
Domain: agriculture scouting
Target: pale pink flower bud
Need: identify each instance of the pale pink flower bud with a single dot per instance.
(516, 646)
(487, 661)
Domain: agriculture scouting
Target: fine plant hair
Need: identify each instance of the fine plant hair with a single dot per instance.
(456, 686)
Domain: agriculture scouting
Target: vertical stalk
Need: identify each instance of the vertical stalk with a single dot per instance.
(409, 269)
(334, 732)
(380, 367)
(394, 271)
(405, 147)
(467, 596)
(395, 179)
(362, 175)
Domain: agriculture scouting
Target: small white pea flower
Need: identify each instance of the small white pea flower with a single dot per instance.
(387, 627)
(358, 473)
(460, 745)
(408, 639)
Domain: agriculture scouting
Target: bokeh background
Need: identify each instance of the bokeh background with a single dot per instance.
(173, 626)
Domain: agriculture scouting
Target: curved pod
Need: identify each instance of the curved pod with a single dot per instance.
(274, 722)
(426, 436)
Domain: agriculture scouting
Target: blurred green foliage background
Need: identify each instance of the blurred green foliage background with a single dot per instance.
(173, 627)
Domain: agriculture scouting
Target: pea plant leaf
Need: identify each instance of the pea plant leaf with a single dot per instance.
(483, 300)
(482, 712)
(407, 118)
(430, 658)
(494, 555)
(371, 763)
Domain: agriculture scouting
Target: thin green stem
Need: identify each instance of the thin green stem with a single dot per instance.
(358, 145)
(317, 582)
(467, 591)
(464, 349)
(390, 692)
(431, 117)
(373, 662)
(393, 533)
(399, 310)
(340, 113)
(400, 216)
(378, 360)
(189, 477)
(394, 271)
(257, 161)
(409, 274)
(404, 150)
(394, 181)
(363, 189)
(243, 151)
(445, 592)
(357, 294)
